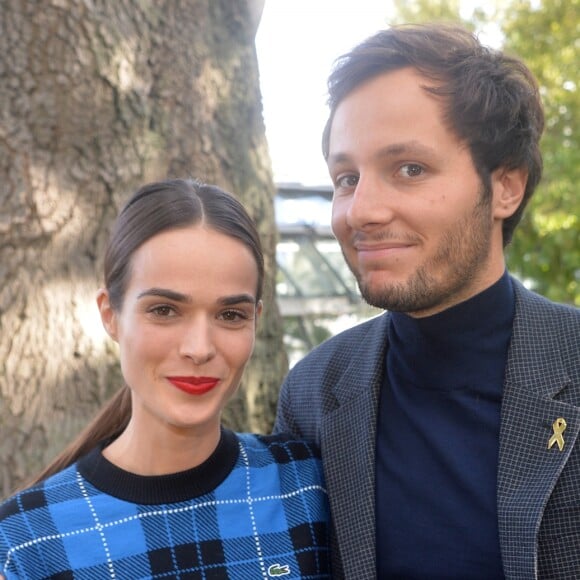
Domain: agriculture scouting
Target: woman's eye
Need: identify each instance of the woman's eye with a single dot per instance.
(162, 311)
(411, 170)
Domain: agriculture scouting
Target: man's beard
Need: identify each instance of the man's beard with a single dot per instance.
(460, 256)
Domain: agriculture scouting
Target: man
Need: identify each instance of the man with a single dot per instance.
(448, 425)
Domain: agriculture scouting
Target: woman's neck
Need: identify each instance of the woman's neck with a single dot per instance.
(162, 450)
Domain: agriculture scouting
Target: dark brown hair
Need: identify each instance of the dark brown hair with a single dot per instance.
(490, 100)
(153, 209)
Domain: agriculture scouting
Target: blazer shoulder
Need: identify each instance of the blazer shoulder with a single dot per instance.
(546, 333)
(365, 338)
(309, 390)
(536, 311)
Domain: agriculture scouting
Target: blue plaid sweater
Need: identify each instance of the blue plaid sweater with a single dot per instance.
(257, 508)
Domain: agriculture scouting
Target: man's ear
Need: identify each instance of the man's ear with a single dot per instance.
(508, 186)
(108, 315)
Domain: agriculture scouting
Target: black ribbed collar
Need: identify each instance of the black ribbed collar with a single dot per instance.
(159, 489)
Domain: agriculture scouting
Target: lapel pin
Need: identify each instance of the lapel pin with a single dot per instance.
(558, 427)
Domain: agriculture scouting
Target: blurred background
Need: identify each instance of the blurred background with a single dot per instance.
(97, 98)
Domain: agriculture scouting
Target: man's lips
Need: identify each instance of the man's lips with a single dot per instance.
(194, 385)
(386, 249)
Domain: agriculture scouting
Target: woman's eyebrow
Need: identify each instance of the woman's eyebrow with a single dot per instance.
(185, 299)
(165, 293)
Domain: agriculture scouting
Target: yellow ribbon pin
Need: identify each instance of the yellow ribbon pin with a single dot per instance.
(558, 427)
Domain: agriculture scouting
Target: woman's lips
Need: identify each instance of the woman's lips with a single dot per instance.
(194, 385)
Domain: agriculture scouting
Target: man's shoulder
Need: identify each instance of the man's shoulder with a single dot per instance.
(545, 335)
(362, 346)
(368, 334)
(536, 310)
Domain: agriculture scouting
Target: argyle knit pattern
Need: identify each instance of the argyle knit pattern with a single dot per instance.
(267, 518)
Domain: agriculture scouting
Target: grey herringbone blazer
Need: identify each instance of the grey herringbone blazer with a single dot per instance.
(331, 397)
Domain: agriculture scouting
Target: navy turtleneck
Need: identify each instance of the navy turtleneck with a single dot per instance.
(438, 440)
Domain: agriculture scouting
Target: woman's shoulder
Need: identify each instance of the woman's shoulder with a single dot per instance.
(40, 495)
(291, 462)
(31, 512)
(284, 467)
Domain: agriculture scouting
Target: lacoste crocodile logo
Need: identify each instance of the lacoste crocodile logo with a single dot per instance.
(276, 570)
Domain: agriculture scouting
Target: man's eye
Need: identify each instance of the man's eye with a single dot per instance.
(347, 181)
(232, 316)
(411, 170)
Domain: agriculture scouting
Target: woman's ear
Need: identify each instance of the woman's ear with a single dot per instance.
(108, 315)
(259, 308)
(508, 186)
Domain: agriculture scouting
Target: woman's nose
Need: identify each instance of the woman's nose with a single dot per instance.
(197, 343)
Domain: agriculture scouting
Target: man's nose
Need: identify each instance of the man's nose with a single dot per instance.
(371, 204)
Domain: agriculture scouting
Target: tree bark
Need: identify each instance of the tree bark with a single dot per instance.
(97, 98)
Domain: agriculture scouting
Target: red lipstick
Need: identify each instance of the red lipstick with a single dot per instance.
(194, 385)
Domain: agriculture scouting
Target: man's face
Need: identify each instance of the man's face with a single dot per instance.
(413, 218)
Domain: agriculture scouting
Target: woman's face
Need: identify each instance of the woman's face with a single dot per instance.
(186, 328)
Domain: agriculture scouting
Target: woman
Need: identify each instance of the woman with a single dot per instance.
(156, 487)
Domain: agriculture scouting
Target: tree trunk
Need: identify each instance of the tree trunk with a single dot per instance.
(97, 98)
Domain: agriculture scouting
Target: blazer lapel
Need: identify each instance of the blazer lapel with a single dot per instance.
(348, 447)
(528, 469)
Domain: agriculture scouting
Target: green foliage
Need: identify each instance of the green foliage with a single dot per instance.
(545, 251)
(547, 248)
(426, 11)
